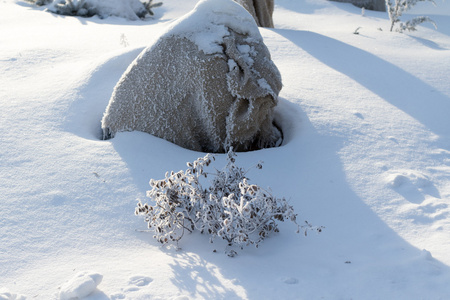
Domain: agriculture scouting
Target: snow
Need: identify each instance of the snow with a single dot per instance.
(7, 295)
(80, 286)
(207, 24)
(366, 154)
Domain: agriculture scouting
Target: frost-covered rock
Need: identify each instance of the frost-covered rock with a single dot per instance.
(208, 83)
(128, 9)
(261, 11)
(80, 286)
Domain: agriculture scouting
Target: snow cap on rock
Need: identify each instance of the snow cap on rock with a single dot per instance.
(209, 22)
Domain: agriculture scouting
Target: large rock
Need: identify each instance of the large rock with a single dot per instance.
(261, 11)
(207, 84)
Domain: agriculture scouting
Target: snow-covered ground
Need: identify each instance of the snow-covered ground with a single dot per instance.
(366, 154)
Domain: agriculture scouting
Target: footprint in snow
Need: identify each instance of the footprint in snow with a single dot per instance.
(290, 280)
(135, 283)
(392, 139)
(442, 154)
(412, 185)
(139, 281)
(358, 115)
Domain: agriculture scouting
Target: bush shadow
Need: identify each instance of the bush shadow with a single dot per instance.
(194, 274)
(428, 43)
(308, 170)
(287, 264)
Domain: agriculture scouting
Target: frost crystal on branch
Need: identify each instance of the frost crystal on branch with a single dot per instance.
(230, 207)
(395, 10)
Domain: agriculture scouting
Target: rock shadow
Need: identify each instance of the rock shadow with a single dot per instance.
(400, 88)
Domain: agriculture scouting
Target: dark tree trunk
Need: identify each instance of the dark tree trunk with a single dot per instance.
(261, 10)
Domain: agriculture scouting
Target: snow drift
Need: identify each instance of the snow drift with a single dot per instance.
(207, 84)
(80, 286)
(366, 153)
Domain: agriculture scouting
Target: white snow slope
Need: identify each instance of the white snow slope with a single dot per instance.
(366, 154)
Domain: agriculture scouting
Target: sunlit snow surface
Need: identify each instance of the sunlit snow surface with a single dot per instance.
(366, 154)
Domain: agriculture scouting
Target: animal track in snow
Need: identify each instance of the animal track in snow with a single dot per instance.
(427, 205)
(442, 154)
(135, 283)
(430, 213)
(408, 177)
(412, 185)
(358, 115)
(442, 168)
(140, 280)
(290, 280)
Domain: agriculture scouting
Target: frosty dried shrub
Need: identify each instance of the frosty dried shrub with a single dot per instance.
(129, 9)
(395, 10)
(229, 207)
